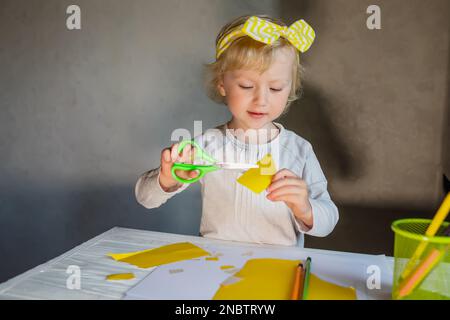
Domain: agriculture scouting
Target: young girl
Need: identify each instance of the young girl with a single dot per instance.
(257, 75)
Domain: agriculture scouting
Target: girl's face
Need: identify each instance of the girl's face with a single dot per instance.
(255, 100)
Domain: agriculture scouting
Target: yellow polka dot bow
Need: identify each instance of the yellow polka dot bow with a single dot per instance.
(300, 34)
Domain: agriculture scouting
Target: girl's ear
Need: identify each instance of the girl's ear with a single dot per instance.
(221, 88)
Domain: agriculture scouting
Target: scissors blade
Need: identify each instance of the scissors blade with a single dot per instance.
(234, 166)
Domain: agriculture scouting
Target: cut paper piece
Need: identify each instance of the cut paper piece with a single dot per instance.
(258, 179)
(323, 290)
(176, 270)
(272, 279)
(226, 267)
(212, 258)
(162, 255)
(261, 279)
(120, 276)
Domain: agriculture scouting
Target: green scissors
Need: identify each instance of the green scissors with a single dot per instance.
(203, 168)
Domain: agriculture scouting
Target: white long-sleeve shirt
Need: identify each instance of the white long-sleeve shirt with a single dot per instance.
(230, 211)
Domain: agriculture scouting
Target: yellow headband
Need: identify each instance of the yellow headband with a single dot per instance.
(299, 34)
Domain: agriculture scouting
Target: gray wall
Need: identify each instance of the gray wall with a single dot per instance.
(83, 113)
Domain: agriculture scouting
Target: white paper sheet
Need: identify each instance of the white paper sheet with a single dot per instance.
(200, 278)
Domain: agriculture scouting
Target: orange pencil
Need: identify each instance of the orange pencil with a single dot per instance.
(298, 283)
(422, 270)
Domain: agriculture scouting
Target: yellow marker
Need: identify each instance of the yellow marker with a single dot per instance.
(162, 255)
(120, 276)
(272, 279)
(440, 216)
(258, 179)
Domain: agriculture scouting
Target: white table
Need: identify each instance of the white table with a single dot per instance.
(48, 281)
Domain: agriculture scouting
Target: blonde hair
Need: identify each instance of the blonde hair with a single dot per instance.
(247, 53)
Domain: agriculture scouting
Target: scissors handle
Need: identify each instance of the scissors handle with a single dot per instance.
(200, 152)
(203, 169)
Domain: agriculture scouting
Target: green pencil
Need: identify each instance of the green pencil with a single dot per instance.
(306, 282)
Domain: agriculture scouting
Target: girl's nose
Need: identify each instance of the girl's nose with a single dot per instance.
(261, 97)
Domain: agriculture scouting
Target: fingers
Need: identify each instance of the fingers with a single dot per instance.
(188, 154)
(166, 166)
(188, 175)
(193, 173)
(185, 153)
(289, 197)
(165, 155)
(286, 182)
(287, 190)
(174, 152)
(167, 159)
(287, 186)
(168, 155)
(283, 173)
(285, 177)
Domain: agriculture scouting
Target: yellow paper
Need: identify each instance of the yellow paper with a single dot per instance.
(120, 276)
(212, 258)
(272, 279)
(258, 179)
(162, 255)
(226, 267)
(323, 290)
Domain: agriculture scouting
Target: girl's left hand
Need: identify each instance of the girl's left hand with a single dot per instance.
(287, 187)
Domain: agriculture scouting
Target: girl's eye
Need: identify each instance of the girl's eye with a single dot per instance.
(273, 89)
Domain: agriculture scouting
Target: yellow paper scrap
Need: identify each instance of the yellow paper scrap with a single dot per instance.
(120, 276)
(272, 279)
(226, 267)
(258, 179)
(162, 255)
(212, 258)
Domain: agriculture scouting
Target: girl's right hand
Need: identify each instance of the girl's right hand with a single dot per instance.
(168, 157)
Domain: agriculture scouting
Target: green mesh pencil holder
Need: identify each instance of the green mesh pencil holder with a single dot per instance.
(421, 263)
